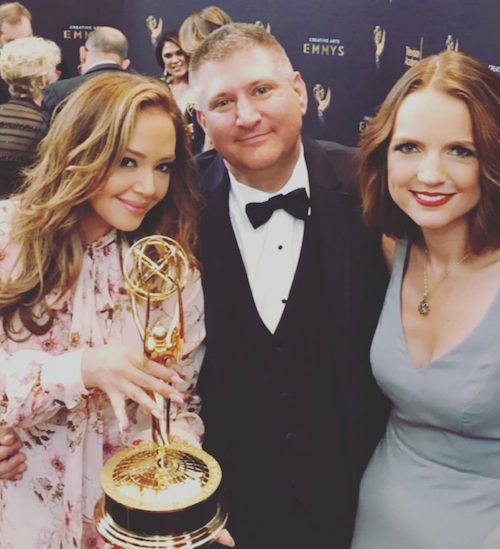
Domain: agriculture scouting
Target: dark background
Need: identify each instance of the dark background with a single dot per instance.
(330, 42)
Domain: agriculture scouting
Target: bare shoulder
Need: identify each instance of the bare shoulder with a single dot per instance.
(388, 247)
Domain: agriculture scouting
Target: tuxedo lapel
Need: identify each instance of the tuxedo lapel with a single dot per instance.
(215, 234)
(330, 207)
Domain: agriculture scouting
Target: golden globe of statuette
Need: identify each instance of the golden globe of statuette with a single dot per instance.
(157, 494)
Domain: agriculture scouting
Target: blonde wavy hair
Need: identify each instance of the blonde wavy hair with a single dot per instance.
(85, 144)
(26, 65)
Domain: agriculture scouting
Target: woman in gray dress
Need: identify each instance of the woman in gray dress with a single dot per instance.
(430, 176)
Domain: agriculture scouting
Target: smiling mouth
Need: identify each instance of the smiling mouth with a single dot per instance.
(431, 199)
(135, 207)
(254, 138)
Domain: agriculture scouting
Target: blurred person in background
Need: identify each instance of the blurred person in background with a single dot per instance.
(105, 50)
(27, 65)
(15, 22)
(197, 26)
(174, 63)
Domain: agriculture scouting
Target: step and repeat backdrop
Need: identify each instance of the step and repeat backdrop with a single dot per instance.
(350, 52)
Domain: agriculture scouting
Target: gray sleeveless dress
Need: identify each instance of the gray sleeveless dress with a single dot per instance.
(434, 479)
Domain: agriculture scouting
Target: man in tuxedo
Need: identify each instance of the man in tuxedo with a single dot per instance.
(293, 286)
(105, 49)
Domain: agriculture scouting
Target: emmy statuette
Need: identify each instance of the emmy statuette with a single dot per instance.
(159, 494)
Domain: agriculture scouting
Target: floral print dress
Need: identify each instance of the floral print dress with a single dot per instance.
(67, 431)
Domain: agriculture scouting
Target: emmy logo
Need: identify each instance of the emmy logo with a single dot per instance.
(266, 27)
(451, 43)
(414, 55)
(159, 494)
(322, 98)
(379, 43)
(155, 27)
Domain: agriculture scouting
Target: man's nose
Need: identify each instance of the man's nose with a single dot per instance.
(246, 113)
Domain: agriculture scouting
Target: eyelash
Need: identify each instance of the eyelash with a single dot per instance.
(406, 148)
(164, 167)
(128, 162)
(462, 152)
(457, 150)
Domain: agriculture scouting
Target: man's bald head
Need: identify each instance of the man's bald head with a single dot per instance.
(104, 44)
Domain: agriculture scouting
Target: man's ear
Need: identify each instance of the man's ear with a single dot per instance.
(201, 120)
(83, 54)
(300, 88)
(125, 64)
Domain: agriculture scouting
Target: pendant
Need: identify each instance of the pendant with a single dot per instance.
(424, 307)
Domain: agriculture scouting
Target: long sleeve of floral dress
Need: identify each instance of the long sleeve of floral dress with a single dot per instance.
(68, 432)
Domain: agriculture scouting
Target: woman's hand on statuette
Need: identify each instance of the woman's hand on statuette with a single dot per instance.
(12, 460)
(124, 373)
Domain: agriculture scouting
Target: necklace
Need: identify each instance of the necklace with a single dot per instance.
(423, 306)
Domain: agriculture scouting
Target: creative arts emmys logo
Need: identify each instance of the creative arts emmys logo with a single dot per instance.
(77, 32)
(379, 43)
(324, 46)
(414, 55)
(322, 98)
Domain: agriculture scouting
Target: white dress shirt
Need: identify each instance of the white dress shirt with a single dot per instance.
(271, 252)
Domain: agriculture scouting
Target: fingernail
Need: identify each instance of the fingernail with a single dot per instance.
(176, 378)
(156, 413)
(176, 398)
(8, 439)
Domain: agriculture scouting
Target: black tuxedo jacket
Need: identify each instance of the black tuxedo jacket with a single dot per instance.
(356, 279)
(57, 91)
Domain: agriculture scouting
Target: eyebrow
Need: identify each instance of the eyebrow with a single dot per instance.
(407, 137)
(141, 155)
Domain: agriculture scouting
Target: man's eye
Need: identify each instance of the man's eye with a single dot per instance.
(222, 103)
(406, 148)
(262, 90)
(128, 163)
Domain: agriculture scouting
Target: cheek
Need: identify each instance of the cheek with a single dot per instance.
(162, 188)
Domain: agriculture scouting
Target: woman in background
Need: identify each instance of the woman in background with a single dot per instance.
(175, 64)
(28, 66)
(75, 385)
(430, 178)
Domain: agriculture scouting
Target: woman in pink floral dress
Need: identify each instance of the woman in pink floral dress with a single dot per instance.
(74, 383)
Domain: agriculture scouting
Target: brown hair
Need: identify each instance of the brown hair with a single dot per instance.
(236, 37)
(464, 78)
(197, 26)
(170, 36)
(85, 144)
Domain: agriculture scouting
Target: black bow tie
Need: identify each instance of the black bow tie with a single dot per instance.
(296, 203)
